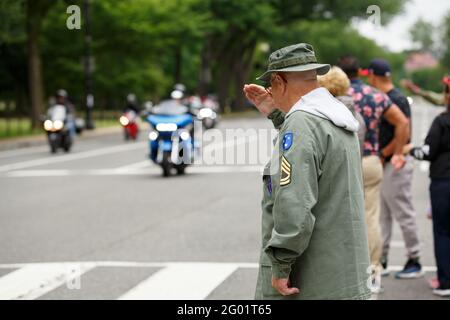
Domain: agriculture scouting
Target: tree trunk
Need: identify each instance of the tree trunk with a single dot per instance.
(241, 73)
(178, 64)
(36, 89)
(223, 88)
(205, 76)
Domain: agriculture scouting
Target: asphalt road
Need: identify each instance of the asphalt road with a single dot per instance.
(102, 223)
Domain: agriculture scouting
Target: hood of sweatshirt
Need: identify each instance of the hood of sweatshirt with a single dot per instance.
(321, 103)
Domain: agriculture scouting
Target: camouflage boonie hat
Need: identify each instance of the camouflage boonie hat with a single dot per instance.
(295, 58)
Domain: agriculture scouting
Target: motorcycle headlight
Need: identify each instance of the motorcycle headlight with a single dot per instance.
(205, 113)
(153, 135)
(48, 125)
(164, 127)
(124, 121)
(58, 125)
(184, 135)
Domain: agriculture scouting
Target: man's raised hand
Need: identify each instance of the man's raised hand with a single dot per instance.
(260, 98)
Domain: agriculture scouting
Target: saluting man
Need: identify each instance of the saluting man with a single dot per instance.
(314, 238)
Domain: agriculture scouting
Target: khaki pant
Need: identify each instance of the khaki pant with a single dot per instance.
(396, 203)
(372, 174)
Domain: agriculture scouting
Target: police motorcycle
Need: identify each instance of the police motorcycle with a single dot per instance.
(58, 131)
(171, 137)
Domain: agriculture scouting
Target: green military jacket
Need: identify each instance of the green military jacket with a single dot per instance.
(313, 224)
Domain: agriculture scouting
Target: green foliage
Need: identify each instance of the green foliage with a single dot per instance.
(429, 79)
(12, 17)
(142, 46)
(421, 33)
(332, 39)
(446, 41)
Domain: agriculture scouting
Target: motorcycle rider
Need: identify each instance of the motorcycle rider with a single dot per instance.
(132, 104)
(61, 98)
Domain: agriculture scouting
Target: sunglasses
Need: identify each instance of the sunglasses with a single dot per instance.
(268, 84)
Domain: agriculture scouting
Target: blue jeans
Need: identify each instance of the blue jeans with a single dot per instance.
(440, 203)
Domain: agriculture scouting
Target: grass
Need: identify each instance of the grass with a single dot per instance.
(16, 127)
(20, 127)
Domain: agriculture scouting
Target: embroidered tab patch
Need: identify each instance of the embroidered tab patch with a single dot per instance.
(287, 141)
(285, 177)
(269, 185)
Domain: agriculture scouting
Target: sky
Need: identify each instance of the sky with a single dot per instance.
(395, 35)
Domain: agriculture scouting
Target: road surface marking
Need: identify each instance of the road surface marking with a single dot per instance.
(124, 264)
(71, 157)
(175, 280)
(22, 152)
(32, 281)
(130, 171)
(181, 282)
(424, 166)
(131, 264)
(135, 166)
(397, 244)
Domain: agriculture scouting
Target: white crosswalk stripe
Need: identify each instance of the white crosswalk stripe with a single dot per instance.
(33, 281)
(181, 282)
(174, 280)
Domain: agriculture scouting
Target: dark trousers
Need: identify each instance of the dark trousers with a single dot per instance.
(440, 203)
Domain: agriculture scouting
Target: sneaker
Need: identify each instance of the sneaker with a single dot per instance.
(442, 292)
(412, 270)
(384, 264)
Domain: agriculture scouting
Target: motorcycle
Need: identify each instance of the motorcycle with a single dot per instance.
(56, 126)
(205, 109)
(171, 139)
(129, 122)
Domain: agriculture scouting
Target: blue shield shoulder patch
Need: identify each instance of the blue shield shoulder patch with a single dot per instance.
(287, 141)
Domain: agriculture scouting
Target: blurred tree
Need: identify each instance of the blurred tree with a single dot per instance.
(240, 25)
(332, 39)
(138, 46)
(421, 33)
(146, 46)
(430, 78)
(445, 42)
(35, 11)
(13, 66)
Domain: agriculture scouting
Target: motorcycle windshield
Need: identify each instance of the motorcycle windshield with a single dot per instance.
(57, 112)
(170, 108)
(181, 120)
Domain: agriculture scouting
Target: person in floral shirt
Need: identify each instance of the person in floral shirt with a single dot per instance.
(373, 105)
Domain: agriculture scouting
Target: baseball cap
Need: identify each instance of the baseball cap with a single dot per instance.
(379, 67)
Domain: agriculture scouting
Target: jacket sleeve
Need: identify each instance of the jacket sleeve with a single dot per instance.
(277, 118)
(430, 150)
(294, 200)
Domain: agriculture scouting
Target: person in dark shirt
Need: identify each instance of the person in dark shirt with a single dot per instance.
(437, 150)
(395, 191)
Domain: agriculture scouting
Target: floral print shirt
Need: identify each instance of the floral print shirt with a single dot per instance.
(371, 104)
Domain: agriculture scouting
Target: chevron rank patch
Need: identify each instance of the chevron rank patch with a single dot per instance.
(285, 177)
